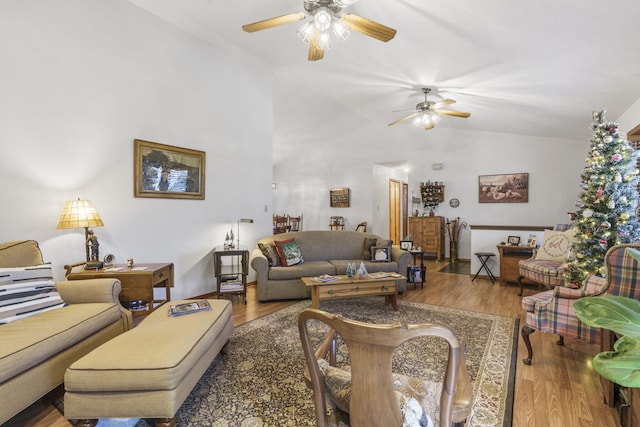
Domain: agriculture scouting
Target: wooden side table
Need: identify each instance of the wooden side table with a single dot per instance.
(509, 257)
(415, 253)
(138, 283)
(231, 278)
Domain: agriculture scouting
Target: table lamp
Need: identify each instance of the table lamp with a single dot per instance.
(82, 214)
(245, 221)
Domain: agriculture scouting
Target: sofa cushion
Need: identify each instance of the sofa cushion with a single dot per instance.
(29, 341)
(289, 252)
(269, 251)
(20, 253)
(26, 291)
(366, 248)
(310, 268)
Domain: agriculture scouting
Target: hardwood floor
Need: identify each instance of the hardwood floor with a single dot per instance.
(559, 389)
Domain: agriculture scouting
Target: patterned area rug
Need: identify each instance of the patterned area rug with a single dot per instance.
(258, 378)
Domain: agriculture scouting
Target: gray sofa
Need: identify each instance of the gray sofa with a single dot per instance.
(324, 252)
(37, 350)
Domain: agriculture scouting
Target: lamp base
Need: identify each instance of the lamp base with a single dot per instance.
(94, 265)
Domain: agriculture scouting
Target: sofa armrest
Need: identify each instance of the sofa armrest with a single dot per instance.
(260, 264)
(402, 257)
(90, 290)
(592, 286)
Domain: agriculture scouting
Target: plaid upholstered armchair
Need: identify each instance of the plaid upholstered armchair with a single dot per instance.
(545, 267)
(552, 311)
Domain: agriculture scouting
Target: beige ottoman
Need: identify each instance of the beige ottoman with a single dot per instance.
(150, 370)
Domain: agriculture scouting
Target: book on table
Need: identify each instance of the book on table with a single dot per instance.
(188, 308)
(325, 278)
(232, 286)
(383, 274)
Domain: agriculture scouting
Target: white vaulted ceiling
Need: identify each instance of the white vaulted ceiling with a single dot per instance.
(535, 68)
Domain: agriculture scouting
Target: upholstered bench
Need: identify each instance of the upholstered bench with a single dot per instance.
(150, 370)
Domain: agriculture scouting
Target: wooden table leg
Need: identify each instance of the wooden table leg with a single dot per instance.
(315, 297)
(393, 300)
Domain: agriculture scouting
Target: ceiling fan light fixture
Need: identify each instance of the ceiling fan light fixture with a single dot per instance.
(324, 41)
(340, 30)
(306, 32)
(322, 19)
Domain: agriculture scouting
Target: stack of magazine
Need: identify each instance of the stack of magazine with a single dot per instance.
(325, 278)
(188, 308)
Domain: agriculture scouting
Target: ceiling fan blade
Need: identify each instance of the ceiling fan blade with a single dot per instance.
(442, 103)
(453, 113)
(404, 118)
(368, 27)
(273, 22)
(315, 53)
(429, 125)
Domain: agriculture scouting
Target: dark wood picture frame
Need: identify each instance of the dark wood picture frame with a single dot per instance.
(503, 188)
(166, 171)
(513, 240)
(339, 197)
(406, 244)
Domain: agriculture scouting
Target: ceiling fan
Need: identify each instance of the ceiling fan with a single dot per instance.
(327, 20)
(427, 113)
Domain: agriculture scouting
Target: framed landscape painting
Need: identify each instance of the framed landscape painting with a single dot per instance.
(166, 171)
(504, 188)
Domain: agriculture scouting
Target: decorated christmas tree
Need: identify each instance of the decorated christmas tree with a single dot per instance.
(606, 211)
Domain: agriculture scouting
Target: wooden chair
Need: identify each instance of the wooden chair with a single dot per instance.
(280, 224)
(336, 223)
(295, 223)
(375, 392)
(362, 227)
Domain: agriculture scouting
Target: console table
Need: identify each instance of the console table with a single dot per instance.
(510, 255)
(138, 283)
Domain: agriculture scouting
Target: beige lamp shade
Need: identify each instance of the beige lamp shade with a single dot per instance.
(79, 214)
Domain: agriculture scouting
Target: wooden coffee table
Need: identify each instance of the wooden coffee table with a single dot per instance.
(347, 288)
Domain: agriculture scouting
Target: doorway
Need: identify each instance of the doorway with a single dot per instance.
(395, 218)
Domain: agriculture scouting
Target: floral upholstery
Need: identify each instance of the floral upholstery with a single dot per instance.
(546, 272)
(552, 311)
(418, 399)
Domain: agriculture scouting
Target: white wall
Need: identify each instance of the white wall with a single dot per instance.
(80, 80)
(630, 118)
(554, 167)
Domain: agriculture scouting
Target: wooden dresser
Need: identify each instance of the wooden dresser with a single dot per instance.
(427, 232)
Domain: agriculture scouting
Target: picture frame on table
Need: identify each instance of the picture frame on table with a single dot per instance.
(533, 240)
(406, 245)
(513, 240)
(166, 171)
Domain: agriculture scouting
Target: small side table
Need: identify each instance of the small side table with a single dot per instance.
(411, 279)
(138, 283)
(231, 278)
(484, 257)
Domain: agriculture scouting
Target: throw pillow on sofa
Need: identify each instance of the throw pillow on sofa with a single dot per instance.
(555, 245)
(289, 252)
(27, 291)
(381, 253)
(269, 251)
(366, 248)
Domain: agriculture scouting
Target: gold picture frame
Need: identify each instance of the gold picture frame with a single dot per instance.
(166, 171)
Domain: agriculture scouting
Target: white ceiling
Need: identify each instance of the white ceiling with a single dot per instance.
(525, 67)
